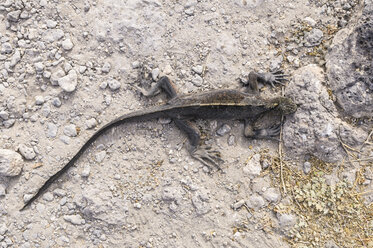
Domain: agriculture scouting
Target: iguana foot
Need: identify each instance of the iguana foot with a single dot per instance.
(273, 78)
(208, 157)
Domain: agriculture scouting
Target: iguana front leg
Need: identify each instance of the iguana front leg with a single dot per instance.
(266, 126)
(204, 154)
(276, 77)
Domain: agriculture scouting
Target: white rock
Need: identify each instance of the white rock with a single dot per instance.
(70, 130)
(39, 66)
(27, 152)
(48, 196)
(255, 202)
(106, 67)
(51, 23)
(74, 219)
(6, 48)
(114, 84)
(2, 192)
(91, 123)
(51, 130)
(86, 170)
(52, 35)
(272, 195)
(57, 75)
(15, 58)
(11, 163)
(67, 45)
(4, 115)
(100, 156)
(39, 100)
(253, 167)
(13, 16)
(69, 82)
(155, 73)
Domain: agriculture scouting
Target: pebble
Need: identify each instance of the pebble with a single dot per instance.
(51, 130)
(70, 130)
(67, 67)
(198, 69)
(27, 152)
(310, 21)
(82, 69)
(100, 156)
(286, 221)
(24, 14)
(69, 82)
(47, 74)
(65, 139)
(74, 219)
(224, 129)
(256, 202)
(57, 75)
(67, 45)
(9, 123)
(52, 35)
(56, 102)
(6, 48)
(13, 16)
(307, 167)
(51, 23)
(103, 85)
(114, 84)
(2, 190)
(253, 167)
(90, 123)
(314, 37)
(16, 57)
(238, 204)
(231, 140)
(135, 64)
(39, 100)
(272, 195)
(59, 192)
(197, 80)
(155, 74)
(3, 229)
(48, 196)
(137, 205)
(39, 67)
(106, 67)
(11, 163)
(86, 170)
(4, 115)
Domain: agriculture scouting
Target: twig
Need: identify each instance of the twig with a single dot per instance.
(280, 151)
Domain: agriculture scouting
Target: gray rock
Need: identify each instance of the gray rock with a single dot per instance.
(155, 74)
(100, 156)
(106, 67)
(67, 45)
(260, 184)
(16, 57)
(91, 123)
(307, 167)
(51, 130)
(314, 127)
(13, 16)
(48, 196)
(52, 35)
(3, 229)
(349, 66)
(59, 192)
(114, 84)
(51, 23)
(253, 166)
(11, 163)
(39, 100)
(9, 123)
(286, 221)
(27, 152)
(198, 69)
(310, 21)
(272, 195)
(56, 76)
(4, 115)
(39, 67)
(74, 219)
(56, 102)
(69, 82)
(2, 192)
(223, 130)
(314, 37)
(200, 204)
(70, 130)
(276, 63)
(136, 64)
(86, 170)
(255, 202)
(197, 80)
(6, 48)
(65, 139)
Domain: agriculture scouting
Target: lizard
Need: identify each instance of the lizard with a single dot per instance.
(262, 117)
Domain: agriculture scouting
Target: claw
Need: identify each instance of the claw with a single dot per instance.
(208, 157)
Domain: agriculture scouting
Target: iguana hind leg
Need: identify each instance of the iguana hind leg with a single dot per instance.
(163, 84)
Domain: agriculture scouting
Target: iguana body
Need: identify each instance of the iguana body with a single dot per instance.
(262, 117)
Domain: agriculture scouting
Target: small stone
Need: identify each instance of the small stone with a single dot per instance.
(52, 35)
(314, 37)
(65, 139)
(3, 229)
(39, 67)
(307, 167)
(48, 196)
(137, 205)
(27, 152)
(100, 156)
(56, 76)
(198, 69)
(67, 45)
(74, 219)
(238, 204)
(103, 85)
(197, 80)
(253, 168)
(272, 195)
(13, 16)
(167, 70)
(6, 48)
(255, 202)
(9, 123)
(70, 130)
(15, 58)
(47, 74)
(135, 64)
(69, 82)
(106, 67)
(24, 14)
(59, 192)
(155, 74)
(114, 84)
(67, 67)
(82, 69)
(56, 102)
(2, 192)
(39, 100)
(4, 115)
(189, 11)
(51, 23)
(231, 140)
(86, 170)
(286, 221)
(91, 123)
(223, 130)
(310, 21)
(11, 163)
(51, 130)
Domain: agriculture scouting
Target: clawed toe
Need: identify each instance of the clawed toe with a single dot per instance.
(208, 157)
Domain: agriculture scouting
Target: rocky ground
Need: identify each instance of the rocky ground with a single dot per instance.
(69, 67)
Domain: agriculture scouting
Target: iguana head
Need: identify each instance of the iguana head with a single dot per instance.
(285, 104)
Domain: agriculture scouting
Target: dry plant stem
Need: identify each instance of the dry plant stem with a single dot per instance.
(367, 140)
(280, 151)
